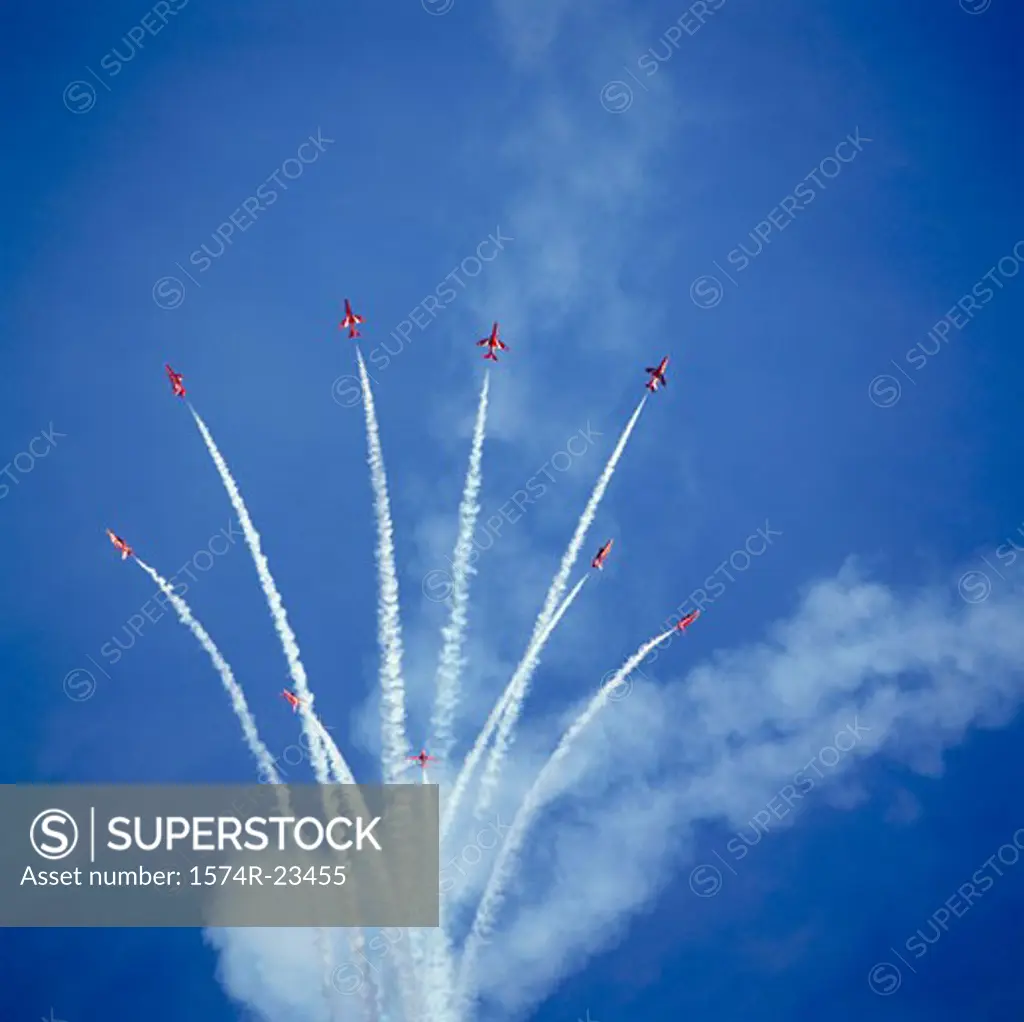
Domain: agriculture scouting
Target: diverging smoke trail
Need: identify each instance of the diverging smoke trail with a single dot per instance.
(520, 683)
(480, 746)
(453, 635)
(260, 752)
(436, 961)
(339, 768)
(389, 629)
(317, 753)
(535, 800)
(389, 637)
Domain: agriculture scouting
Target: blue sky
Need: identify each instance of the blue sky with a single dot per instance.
(793, 405)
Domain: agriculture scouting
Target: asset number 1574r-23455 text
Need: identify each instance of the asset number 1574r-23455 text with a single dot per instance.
(278, 876)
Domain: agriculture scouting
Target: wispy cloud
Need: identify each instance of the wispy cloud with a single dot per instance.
(530, 27)
(718, 745)
(586, 189)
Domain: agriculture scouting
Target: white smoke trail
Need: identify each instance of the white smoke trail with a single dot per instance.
(440, 969)
(389, 631)
(535, 800)
(389, 635)
(480, 746)
(317, 753)
(339, 768)
(520, 683)
(372, 997)
(322, 750)
(260, 752)
(452, 661)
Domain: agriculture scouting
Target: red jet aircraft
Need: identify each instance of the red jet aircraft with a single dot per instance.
(126, 550)
(688, 620)
(657, 375)
(350, 321)
(423, 759)
(293, 700)
(602, 554)
(492, 342)
(175, 378)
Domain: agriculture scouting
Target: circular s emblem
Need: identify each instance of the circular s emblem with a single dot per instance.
(54, 834)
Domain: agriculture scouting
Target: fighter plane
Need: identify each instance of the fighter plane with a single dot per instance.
(492, 343)
(350, 321)
(601, 555)
(422, 759)
(175, 378)
(293, 700)
(688, 620)
(126, 550)
(657, 375)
